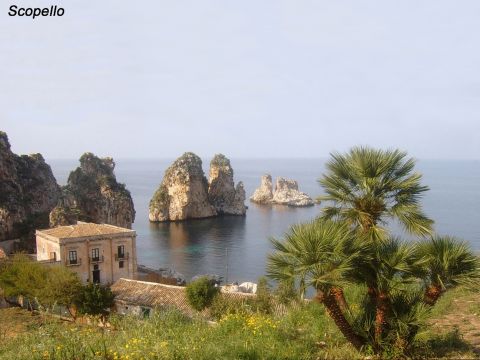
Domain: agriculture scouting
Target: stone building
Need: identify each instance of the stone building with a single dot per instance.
(98, 253)
(142, 298)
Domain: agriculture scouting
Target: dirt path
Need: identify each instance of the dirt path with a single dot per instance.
(464, 315)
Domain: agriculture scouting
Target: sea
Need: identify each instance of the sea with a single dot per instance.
(236, 247)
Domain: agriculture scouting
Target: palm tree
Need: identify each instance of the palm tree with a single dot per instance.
(319, 254)
(368, 187)
(449, 262)
(397, 266)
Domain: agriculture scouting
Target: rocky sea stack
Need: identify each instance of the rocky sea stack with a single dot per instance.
(28, 192)
(93, 194)
(185, 192)
(286, 193)
(222, 193)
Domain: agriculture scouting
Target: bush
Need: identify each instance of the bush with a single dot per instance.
(222, 306)
(201, 292)
(263, 300)
(47, 286)
(95, 299)
(286, 293)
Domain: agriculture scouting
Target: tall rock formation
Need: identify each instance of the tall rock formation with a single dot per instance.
(183, 193)
(263, 194)
(93, 194)
(28, 191)
(222, 193)
(286, 193)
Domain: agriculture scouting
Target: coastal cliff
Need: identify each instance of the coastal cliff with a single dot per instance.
(286, 193)
(185, 192)
(222, 193)
(28, 193)
(93, 194)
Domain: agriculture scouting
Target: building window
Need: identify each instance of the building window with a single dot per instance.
(145, 312)
(72, 256)
(53, 256)
(120, 264)
(96, 254)
(121, 251)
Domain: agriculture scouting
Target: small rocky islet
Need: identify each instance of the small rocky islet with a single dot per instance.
(285, 193)
(185, 192)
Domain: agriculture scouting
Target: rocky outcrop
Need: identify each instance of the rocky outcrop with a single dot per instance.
(185, 192)
(222, 193)
(28, 193)
(93, 194)
(264, 194)
(286, 193)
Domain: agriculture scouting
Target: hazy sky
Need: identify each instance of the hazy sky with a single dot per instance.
(246, 78)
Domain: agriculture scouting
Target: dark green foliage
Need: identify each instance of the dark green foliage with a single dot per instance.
(263, 300)
(201, 292)
(367, 187)
(221, 306)
(220, 160)
(401, 280)
(95, 299)
(47, 286)
(286, 293)
(160, 197)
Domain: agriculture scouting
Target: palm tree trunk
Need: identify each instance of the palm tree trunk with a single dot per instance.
(382, 308)
(335, 312)
(340, 298)
(432, 294)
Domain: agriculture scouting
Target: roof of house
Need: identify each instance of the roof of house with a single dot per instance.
(82, 229)
(153, 295)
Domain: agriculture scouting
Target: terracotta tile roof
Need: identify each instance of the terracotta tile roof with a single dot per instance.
(151, 294)
(83, 229)
(159, 295)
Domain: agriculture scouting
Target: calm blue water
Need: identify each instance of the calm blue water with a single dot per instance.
(200, 246)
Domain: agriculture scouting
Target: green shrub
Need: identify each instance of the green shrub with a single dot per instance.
(95, 299)
(222, 306)
(263, 300)
(201, 292)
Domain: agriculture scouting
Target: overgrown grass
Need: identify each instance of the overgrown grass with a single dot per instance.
(305, 332)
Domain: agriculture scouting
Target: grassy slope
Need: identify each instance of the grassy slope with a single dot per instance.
(305, 333)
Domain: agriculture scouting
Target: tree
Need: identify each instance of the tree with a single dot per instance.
(63, 287)
(350, 244)
(201, 292)
(95, 299)
(263, 299)
(46, 285)
(368, 187)
(20, 276)
(449, 262)
(320, 254)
